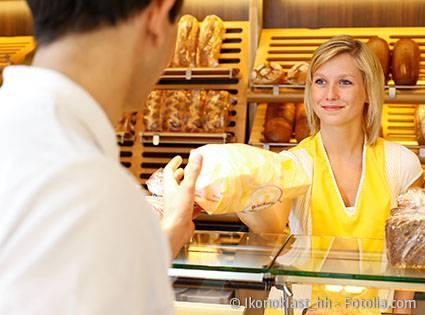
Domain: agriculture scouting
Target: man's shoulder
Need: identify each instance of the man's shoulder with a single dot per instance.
(96, 172)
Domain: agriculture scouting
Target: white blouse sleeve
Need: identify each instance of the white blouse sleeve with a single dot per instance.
(410, 168)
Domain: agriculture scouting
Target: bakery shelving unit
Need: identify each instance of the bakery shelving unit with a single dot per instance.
(15, 50)
(152, 150)
(289, 46)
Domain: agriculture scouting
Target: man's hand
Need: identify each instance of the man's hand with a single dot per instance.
(179, 195)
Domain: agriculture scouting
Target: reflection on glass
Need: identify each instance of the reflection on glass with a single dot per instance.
(230, 251)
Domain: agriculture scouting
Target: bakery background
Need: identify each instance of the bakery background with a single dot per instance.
(253, 91)
(275, 35)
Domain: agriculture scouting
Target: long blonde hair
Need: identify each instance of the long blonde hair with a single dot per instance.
(373, 79)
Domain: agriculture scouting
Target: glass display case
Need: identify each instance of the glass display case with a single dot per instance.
(249, 269)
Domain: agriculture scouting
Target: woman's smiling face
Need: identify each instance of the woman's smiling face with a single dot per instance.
(338, 92)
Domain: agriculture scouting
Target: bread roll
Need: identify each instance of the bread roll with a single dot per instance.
(211, 35)
(279, 122)
(381, 49)
(405, 62)
(301, 125)
(187, 41)
(267, 73)
(298, 73)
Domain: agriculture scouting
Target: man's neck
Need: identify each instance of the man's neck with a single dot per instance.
(96, 68)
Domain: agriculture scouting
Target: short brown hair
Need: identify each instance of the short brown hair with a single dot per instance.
(56, 18)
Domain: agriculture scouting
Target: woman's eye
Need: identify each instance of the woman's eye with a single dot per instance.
(319, 81)
(345, 82)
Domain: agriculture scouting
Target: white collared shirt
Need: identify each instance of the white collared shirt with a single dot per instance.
(76, 234)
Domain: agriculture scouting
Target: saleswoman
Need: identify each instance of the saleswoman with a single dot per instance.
(356, 176)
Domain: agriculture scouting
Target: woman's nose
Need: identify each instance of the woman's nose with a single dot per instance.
(332, 92)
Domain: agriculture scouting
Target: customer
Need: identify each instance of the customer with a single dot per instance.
(76, 234)
(355, 175)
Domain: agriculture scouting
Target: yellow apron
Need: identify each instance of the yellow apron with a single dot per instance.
(330, 218)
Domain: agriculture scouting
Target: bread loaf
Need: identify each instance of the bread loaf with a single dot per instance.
(175, 110)
(211, 35)
(187, 41)
(298, 73)
(420, 124)
(279, 122)
(123, 125)
(216, 111)
(152, 111)
(267, 73)
(301, 125)
(380, 48)
(405, 231)
(126, 127)
(196, 111)
(405, 62)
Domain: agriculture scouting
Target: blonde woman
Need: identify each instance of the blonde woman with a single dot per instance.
(355, 175)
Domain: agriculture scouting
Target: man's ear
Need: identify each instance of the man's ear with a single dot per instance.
(157, 20)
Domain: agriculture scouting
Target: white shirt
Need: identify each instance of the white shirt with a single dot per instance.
(76, 234)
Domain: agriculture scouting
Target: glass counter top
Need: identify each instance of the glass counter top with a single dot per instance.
(230, 251)
(338, 257)
(294, 256)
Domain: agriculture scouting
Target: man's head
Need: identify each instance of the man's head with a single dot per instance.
(117, 47)
(54, 19)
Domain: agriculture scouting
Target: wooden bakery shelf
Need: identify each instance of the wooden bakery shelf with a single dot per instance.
(290, 46)
(152, 150)
(398, 125)
(395, 94)
(15, 49)
(157, 138)
(195, 74)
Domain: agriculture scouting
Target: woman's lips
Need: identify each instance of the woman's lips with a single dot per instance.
(332, 107)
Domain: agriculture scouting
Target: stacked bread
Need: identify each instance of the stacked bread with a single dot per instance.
(405, 61)
(195, 110)
(405, 231)
(282, 120)
(198, 44)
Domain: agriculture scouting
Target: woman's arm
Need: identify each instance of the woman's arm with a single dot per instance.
(269, 220)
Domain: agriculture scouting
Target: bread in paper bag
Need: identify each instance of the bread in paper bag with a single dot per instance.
(239, 177)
